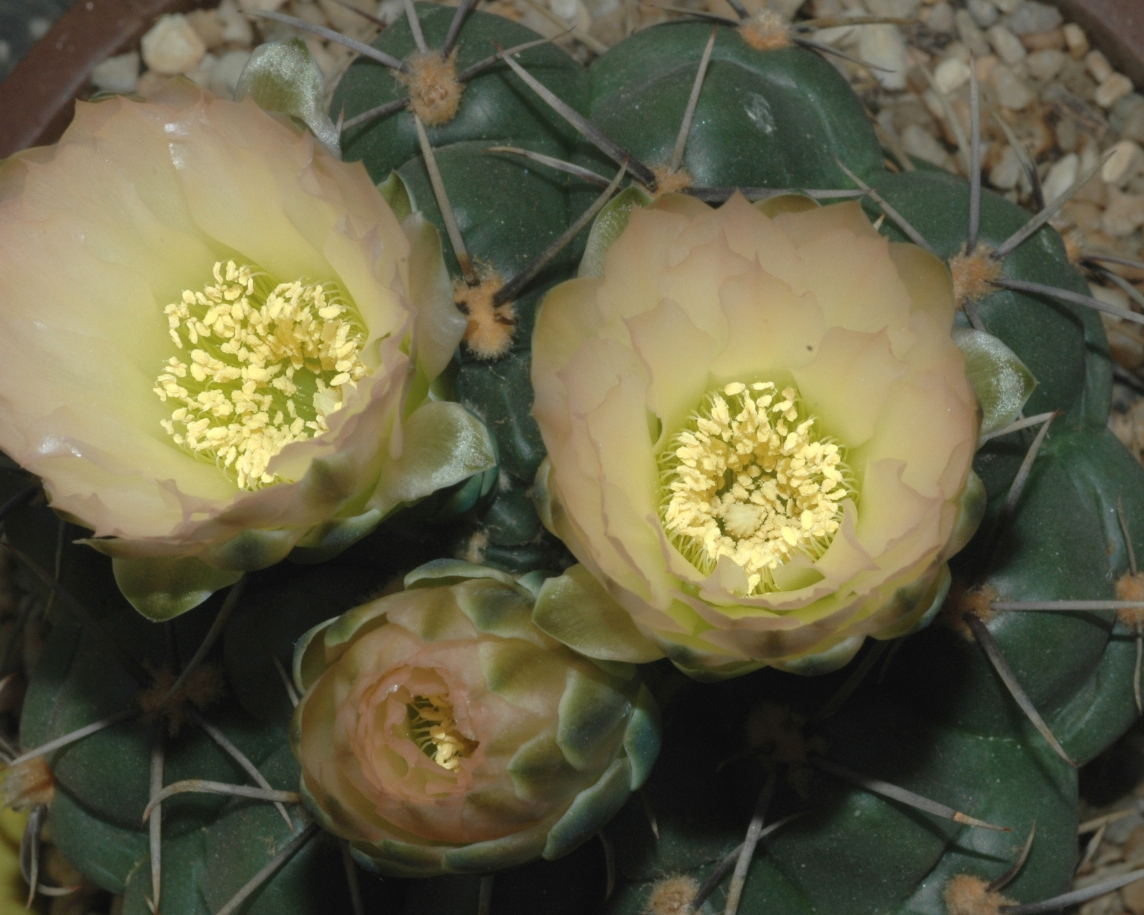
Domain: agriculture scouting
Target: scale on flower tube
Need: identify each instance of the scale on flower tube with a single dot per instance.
(749, 478)
(265, 364)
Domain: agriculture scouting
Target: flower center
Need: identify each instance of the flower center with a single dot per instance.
(434, 729)
(749, 478)
(267, 364)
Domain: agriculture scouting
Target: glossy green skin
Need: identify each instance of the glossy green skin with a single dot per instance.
(496, 106)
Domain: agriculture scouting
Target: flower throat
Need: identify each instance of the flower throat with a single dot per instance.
(265, 365)
(749, 478)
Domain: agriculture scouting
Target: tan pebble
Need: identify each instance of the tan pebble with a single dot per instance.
(1045, 65)
(172, 46)
(917, 141)
(149, 81)
(1007, 45)
(310, 12)
(1124, 214)
(940, 18)
(1007, 6)
(1098, 66)
(1127, 352)
(1112, 90)
(1031, 17)
(263, 6)
(1076, 40)
(201, 75)
(1123, 162)
(884, 46)
(1084, 215)
(224, 79)
(1068, 135)
(1012, 93)
(1133, 848)
(236, 28)
(1133, 896)
(951, 74)
(117, 74)
(1109, 295)
(1006, 174)
(1061, 176)
(984, 67)
(342, 18)
(1054, 39)
(207, 26)
(970, 33)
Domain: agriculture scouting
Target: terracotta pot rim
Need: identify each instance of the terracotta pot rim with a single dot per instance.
(38, 96)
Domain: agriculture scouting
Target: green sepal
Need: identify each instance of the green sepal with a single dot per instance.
(611, 221)
(643, 737)
(925, 598)
(590, 712)
(591, 810)
(396, 194)
(575, 609)
(282, 77)
(1001, 382)
(495, 854)
(822, 662)
(444, 445)
(326, 541)
(252, 550)
(970, 514)
(446, 572)
(163, 587)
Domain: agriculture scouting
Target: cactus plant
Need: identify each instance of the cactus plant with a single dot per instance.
(874, 788)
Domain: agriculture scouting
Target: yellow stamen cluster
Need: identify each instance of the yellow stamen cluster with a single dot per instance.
(434, 729)
(267, 364)
(747, 478)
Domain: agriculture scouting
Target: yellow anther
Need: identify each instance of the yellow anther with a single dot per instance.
(749, 479)
(434, 729)
(261, 350)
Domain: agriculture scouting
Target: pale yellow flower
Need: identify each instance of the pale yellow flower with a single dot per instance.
(216, 341)
(759, 432)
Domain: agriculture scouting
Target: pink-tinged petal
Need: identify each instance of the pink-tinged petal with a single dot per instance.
(848, 382)
(770, 330)
(658, 337)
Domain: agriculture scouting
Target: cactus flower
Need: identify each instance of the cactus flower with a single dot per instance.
(442, 732)
(216, 342)
(760, 435)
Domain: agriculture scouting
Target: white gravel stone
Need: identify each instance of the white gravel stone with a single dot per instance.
(919, 142)
(1076, 40)
(1006, 174)
(1007, 45)
(117, 74)
(984, 13)
(884, 46)
(940, 18)
(171, 46)
(1045, 65)
(1123, 162)
(951, 74)
(208, 25)
(1097, 64)
(236, 28)
(230, 65)
(1006, 6)
(1061, 176)
(1112, 89)
(264, 6)
(1012, 93)
(970, 33)
(1031, 18)
(1123, 215)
